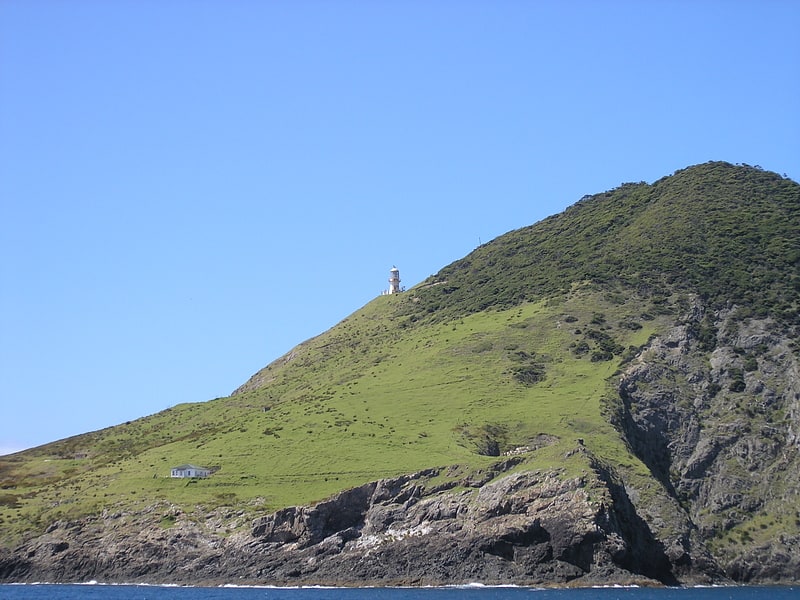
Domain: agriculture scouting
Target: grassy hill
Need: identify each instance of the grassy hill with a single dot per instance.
(358, 403)
(516, 346)
(729, 233)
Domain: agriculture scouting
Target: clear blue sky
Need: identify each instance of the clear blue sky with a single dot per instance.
(190, 188)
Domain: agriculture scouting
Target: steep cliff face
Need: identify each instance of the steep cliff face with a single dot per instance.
(500, 526)
(712, 409)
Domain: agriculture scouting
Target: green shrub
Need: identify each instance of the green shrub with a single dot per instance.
(10, 500)
(529, 374)
(750, 363)
(737, 380)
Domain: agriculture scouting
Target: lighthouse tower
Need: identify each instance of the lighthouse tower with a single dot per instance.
(394, 280)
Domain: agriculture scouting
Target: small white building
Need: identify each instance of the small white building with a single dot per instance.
(190, 471)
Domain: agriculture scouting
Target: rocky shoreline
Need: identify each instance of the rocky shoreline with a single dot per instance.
(525, 528)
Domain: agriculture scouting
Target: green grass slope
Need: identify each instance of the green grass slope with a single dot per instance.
(365, 400)
(512, 347)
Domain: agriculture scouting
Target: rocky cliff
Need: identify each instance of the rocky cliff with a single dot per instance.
(495, 526)
(711, 407)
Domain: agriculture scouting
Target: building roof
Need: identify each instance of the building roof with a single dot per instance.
(187, 467)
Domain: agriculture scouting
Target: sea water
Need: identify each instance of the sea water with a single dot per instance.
(144, 592)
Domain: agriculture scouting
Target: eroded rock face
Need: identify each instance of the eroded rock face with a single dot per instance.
(522, 527)
(719, 428)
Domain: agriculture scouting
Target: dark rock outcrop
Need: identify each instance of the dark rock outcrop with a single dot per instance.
(527, 527)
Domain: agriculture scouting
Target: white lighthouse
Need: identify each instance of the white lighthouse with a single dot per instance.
(394, 280)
